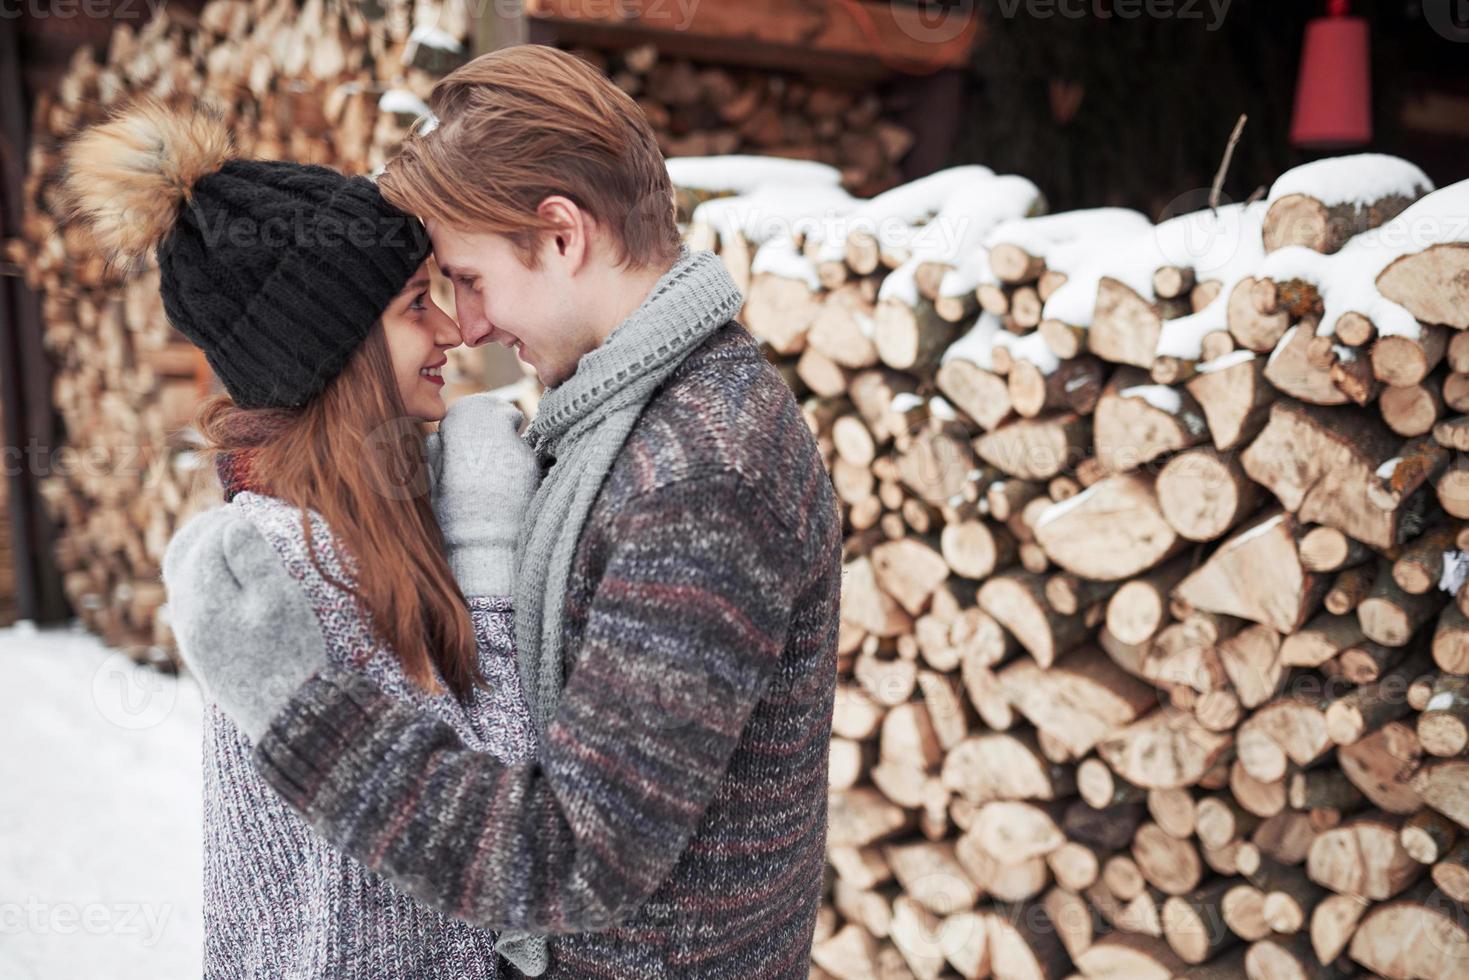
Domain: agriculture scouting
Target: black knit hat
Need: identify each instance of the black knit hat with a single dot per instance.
(277, 271)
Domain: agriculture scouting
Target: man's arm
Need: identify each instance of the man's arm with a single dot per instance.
(682, 636)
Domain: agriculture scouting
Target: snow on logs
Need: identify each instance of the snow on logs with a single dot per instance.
(1154, 654)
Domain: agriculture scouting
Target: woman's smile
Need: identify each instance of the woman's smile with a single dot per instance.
(434, 373)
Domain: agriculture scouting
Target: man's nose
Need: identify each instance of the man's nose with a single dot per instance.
(475, 331)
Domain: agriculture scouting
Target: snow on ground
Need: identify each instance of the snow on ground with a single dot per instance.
(99, 813)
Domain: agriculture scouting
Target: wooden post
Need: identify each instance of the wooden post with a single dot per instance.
(25, 372)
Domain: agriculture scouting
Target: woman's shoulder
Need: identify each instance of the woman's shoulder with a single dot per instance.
(279, 521)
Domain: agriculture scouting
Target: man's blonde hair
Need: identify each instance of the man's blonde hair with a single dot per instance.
(521, 124)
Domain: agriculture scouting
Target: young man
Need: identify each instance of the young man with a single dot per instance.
(677, 590)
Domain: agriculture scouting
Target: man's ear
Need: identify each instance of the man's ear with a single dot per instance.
(570, 238)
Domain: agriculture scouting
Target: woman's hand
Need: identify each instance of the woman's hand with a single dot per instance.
(484, 478)
(243, 625)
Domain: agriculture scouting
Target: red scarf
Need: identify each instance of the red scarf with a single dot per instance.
(246, 433)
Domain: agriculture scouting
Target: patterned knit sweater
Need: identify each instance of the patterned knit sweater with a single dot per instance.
(675, 823)
(280, 902)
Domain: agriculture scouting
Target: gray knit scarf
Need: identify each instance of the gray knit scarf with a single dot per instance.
(582, 425)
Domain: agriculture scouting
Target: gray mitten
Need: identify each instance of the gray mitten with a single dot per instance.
(484, 478)
(244, 627)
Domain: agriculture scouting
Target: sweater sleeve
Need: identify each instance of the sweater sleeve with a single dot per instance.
(683, 634)
(500, 714)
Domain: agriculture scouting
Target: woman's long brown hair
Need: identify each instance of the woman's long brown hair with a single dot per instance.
(354, 456)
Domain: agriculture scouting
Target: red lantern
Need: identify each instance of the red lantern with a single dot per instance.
(1334, 92)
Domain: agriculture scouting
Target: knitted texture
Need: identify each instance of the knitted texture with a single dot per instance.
(581, 426)
(278, 271)
(281, 902)
(675, 823)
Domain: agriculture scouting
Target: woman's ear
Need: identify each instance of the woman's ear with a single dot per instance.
(569, 240)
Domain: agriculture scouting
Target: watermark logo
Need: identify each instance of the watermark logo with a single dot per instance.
(946, 27)
(132, 696)
(1210, 12)
(1448, 18)
(93, 918)
(934, 21)
(1447, 937)
(1192, 234)
(400, 463)
(115, 10)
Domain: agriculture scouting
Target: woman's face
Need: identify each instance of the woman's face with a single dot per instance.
(418, 334)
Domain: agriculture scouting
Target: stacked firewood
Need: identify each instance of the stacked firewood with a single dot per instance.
(712, 110)
(1154, 641)
(317, 82)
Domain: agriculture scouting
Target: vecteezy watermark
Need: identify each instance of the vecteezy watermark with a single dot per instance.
(306, 229)
(118, 10)
(130, 695)
(94, 918)
(1212, 12)
(934, 21)
(1448, 18)
(38, 460)
(1191, 233)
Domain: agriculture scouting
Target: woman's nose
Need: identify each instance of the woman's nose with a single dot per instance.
(446, 331)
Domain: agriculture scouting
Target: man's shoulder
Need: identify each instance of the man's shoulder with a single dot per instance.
(725, 412)
(725, 409)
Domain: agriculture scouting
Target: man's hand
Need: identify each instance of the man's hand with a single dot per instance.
(484, 478)
(243, 625)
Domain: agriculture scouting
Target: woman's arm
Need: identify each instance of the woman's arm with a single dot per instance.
(483, 478)
(500, 713)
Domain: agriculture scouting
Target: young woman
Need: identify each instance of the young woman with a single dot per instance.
(309, 295)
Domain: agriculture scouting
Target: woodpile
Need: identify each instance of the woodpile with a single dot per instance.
(700, 110)
(1154, 642)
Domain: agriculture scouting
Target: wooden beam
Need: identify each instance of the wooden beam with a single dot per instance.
(25, 372)
(846, 37)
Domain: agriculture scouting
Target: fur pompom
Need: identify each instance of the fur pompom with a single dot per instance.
(128, 177)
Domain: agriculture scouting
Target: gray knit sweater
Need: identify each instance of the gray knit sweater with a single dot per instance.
(280, 902)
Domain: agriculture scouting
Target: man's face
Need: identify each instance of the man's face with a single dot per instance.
(535, 312)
